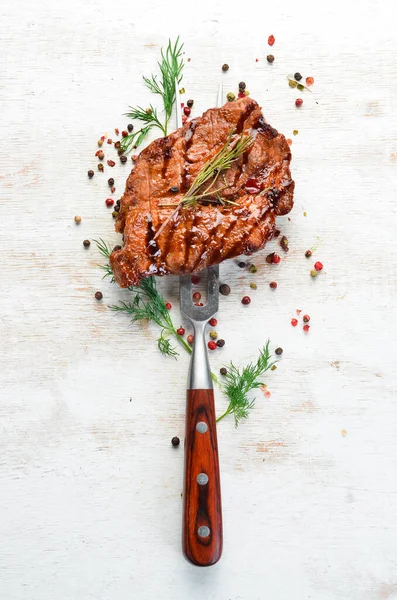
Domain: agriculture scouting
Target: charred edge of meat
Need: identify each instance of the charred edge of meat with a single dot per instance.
(266, 129)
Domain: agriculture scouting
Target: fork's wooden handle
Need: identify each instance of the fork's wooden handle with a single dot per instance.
(202, 515)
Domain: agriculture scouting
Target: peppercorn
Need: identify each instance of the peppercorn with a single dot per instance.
(300, 87)
(100, 167)
(253, 286)
(309, 80)
(100, 143)
(112, 189)
(230, 96)
(114, 214)
(168, 305)
(196, 296)
(190, 103)
(110, 141)
(175, 441)
(297, 76)
(224, 289)
(86, 243)
(123, 159)
(195, 279)
(294, 322)
(295, 132)
(117, 145)
(110, 182)
(298, 102)
(109, 202)
(182, 90)
(253, 269)
(220, 343)
(241, 94)
(180, 331)
(306, 328)
(273, 285)
(174, 189)
(318, 266)
(100, 154)
(292, 83)
(130, 127)
(77, 219)
(306, 318)
(278, 351)
(124, 133)
(90, 173)
(213, 322)
(242, 85)
(270, 40)
(190, 339)
(241, 265)
(270, 58)
(212, 345)
(148, 111)
(98, 295)
(222, 370)
(313, 273)
(187, 111)
(213, 335)
(276, 233)
(117, 208)
(269, 258)
(284, 243)
(111, 163)
(308, 253)
(225, 68)
(116, 248)
(276, 259)
(245, 300)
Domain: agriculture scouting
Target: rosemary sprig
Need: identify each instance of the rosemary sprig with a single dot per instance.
(171, 66)
(239, 383)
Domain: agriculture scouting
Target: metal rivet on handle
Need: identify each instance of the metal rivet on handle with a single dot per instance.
(202, 478)
(201, 427)
(203, 531)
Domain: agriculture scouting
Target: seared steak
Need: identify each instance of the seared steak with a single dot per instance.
(259, 186)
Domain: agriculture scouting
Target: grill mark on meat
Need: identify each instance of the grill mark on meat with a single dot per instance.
(188, 142)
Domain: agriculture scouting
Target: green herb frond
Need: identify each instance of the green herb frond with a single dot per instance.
(135, 139)
(164, 345)
(106, 250)
(239, 382)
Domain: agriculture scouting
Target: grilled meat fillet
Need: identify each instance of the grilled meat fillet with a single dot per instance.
(161, 239)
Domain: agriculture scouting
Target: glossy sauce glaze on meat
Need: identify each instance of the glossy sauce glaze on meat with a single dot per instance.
(159, 239)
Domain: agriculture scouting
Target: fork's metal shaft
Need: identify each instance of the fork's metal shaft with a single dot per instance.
(199, 377)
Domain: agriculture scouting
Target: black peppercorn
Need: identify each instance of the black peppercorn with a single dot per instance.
(130, 127)
(297, 76)
(241, 265)
(190, 103)
(175, 441)
(90, 173)
(225, 67)
(270, 58)
(120, 151)
(279, 351)
(118, 202)
(117, 208)
(284, 243)
(117, 144)
(98, 295)
(174, 189)
(224, 289)
(116, 248)
(308, 253)
(123, 159)
(86, 243)
(242, 85)
(220, 343)
(223, 371)
(111, 182)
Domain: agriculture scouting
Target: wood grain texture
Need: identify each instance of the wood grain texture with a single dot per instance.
(90, 486)
(202, 505)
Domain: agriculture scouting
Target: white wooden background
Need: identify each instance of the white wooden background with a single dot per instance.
(90, 503)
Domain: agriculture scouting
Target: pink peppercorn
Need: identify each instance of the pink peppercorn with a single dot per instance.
(195, 279)
(298, 102)
(245, 300)
(111, 163)
(190, 339)
(270, 40)
(306, 328)
(212, 345)
(168, 305)
(180, 331)
(273, 285)
(124, 133)
(294, 322)
(213, 322)
(276, 259)
(306, 318)
(187, 111)
(318, 266)
(109, 202)
(196, 296)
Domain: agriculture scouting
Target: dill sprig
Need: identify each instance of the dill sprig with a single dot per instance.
(106, 250)
(171, 66)
(239, 382)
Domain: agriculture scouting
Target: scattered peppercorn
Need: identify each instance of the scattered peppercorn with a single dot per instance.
(222, 370)
(77, 219)
(213, 335)
(270, 40)
(276, 233)
(241, 94)
(195, 279)
(253, 269)
(180, 331)
(110, 141)
(273, 368)
(298, 102)
(300, 87)
(196, 296)
(278, 351)
(86, 243)
(117, 208)
(298, 76)
(212, 345)
(109, 202)
(213, 322)
(276, 259)
(190, 103)
(174, 189)
(318, 266)
(111, 163)
(168, 305)
(273, 285)
(270, 58)
(175, 441)
(306, 318)
(114, 214)
(124, 133)
(309, 80)
(110, 182)
(241, 264)
(230, 96)
(313, 273)
(123, 159)
(294, 322)
(306, 328)
(190, 339)
(253, 286)
(130, 127)
(182, 90)
(100, 154)
(100, 167)
(90, 173)
(98, 295)
(308, 253)
(284, 243)
(295, 132)
(242, 85)
(292, 83)
(220, 343)
(225, 67)
(187, 111)
(116, 248)
(224, 289)
(245, 300)
(117, 145)
(100, 143)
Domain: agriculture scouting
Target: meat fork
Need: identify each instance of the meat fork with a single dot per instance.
(202, 509)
